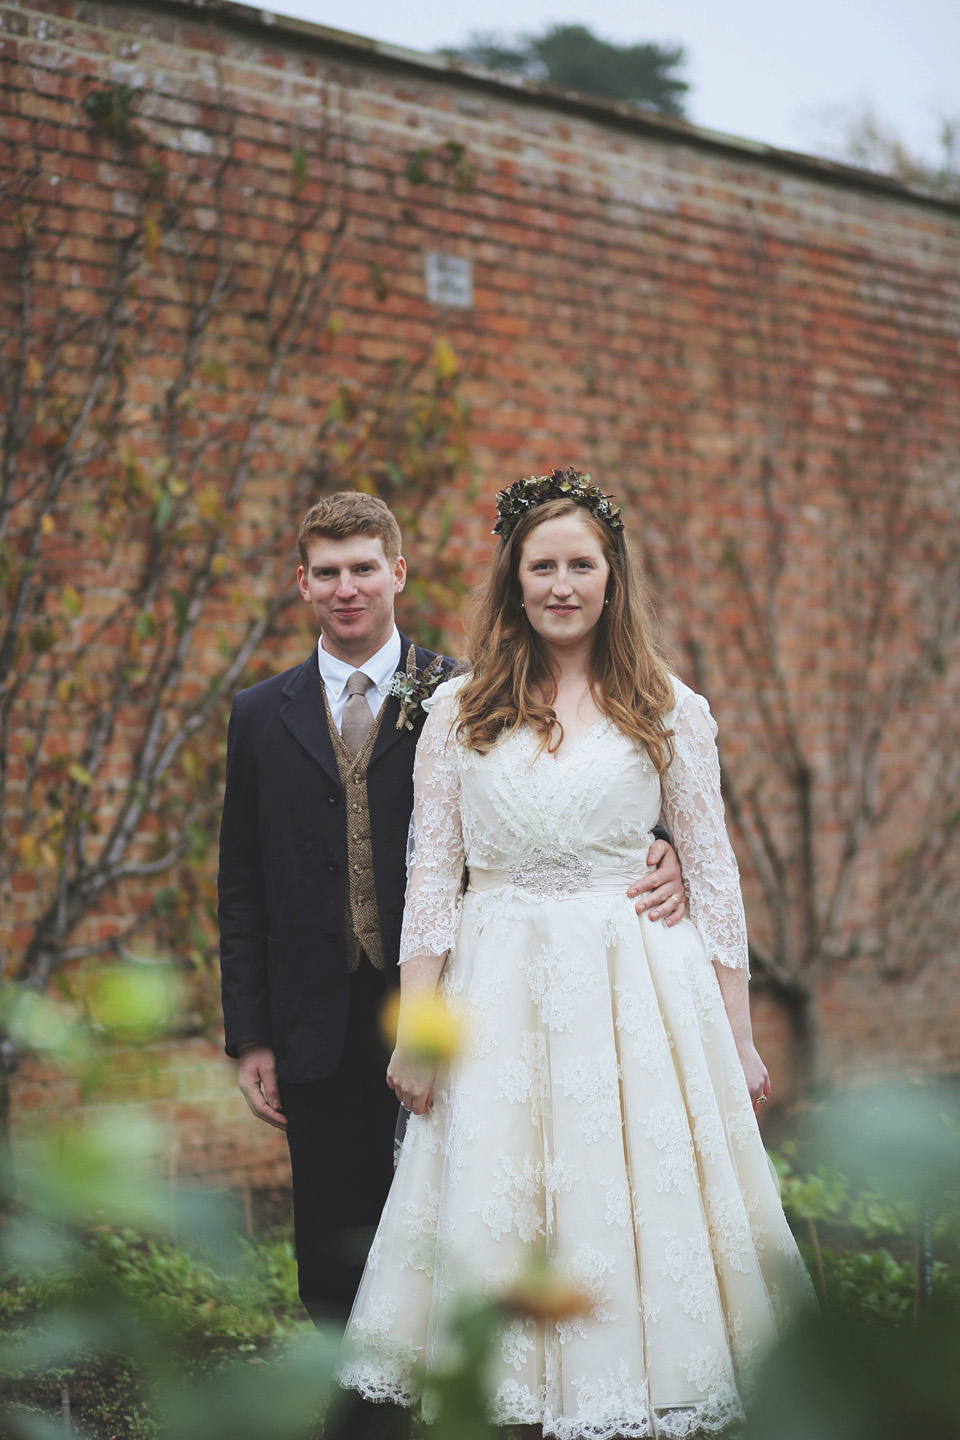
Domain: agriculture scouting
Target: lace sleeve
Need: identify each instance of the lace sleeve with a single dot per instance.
(431, 914)
(693, 809)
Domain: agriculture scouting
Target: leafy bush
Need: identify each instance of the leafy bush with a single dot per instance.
(151, 1322)
(207, 1309)
(861, 1245)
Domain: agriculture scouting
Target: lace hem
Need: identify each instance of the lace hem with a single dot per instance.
(514, 1404)
(370, 1382)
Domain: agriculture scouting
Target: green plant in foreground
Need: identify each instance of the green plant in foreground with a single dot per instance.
(98, 1292)
(877, 1365)
(151, 1316)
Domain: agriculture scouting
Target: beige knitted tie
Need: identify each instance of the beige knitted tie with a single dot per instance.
(357, 716)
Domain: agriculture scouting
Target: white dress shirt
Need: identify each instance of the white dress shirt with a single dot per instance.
(380, 668)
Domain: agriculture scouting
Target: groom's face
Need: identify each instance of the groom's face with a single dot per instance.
(352, 587)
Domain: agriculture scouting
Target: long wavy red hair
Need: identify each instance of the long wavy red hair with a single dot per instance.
(512, 682)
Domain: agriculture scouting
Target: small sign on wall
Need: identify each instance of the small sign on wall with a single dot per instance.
(449, 280)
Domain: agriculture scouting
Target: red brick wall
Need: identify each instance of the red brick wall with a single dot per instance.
(643, 299)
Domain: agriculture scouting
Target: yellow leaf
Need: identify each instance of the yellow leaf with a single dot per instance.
(219, 565)
(46, 524)
(34, 370)
(48, 856)
(28, 848)
(151, 238)
(70, 600)
(208, 502)
(79, 773)
(445, 361)
(64, 690)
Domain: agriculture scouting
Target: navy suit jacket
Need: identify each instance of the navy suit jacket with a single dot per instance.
(283, 860)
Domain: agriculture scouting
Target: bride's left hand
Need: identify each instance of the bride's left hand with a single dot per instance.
(411, 1080)
(756, 1075)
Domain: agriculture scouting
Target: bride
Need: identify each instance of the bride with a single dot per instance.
(601, 1115)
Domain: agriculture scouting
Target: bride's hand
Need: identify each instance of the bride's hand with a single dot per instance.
(411, 1080)
(757, 1077)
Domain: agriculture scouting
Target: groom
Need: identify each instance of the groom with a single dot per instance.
(319, 790)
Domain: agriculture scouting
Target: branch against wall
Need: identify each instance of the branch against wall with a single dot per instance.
(176, 388)
(816, 599)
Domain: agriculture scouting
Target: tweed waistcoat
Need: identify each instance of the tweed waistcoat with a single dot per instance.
(362, 931)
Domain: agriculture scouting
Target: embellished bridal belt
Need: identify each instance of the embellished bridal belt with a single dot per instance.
(553, 874)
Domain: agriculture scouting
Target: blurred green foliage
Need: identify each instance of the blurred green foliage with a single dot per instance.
(880, 1361)
(146, 1314)
(142, 1302)
(205, 1307)
(861, 1246)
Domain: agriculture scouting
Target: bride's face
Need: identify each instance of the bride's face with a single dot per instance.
(563, 577)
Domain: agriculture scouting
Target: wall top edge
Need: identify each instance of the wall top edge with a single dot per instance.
(619, 114)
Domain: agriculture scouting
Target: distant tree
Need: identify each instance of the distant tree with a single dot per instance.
(572, 57)
(861, 137)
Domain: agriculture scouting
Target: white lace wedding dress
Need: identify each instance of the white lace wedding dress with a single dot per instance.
(599, 1115)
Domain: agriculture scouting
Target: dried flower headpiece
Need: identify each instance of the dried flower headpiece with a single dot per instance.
(514, 502)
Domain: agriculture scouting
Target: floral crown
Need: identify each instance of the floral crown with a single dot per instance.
(514, 502)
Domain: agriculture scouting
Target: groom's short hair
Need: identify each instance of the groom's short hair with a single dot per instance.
(348, 513)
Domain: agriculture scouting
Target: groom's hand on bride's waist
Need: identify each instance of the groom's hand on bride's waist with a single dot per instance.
(660, 893)
(257, 1079)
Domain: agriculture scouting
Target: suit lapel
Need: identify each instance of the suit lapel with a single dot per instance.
(305, 717)
(388, 734)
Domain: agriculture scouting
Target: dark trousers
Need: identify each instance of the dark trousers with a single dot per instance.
(340, 1132)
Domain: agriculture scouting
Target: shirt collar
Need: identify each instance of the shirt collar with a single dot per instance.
(379, 668)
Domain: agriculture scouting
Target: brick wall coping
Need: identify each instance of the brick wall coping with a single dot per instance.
(619, 114)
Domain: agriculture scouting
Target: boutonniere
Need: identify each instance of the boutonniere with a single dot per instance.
(412, 687)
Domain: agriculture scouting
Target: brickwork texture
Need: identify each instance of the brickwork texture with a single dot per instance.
(727, 337)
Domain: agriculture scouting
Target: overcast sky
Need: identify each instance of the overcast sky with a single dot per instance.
(764, 69)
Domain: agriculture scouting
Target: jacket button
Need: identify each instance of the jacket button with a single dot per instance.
(332, 799)
(333, 865)
(356, 869)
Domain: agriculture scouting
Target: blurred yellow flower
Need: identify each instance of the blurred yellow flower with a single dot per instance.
(432, 1029)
